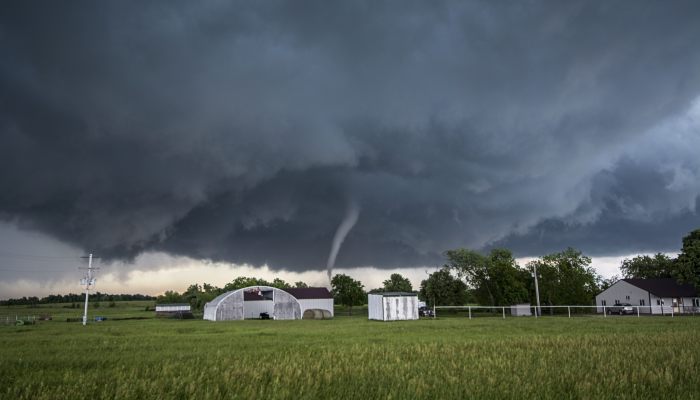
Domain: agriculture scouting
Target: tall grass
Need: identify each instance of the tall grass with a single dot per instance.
(354, 358)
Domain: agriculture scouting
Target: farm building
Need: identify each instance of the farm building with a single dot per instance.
(392, 306)
(521, 310)
(173, 310)
(652, 296)
(255, 301)
(313, 298)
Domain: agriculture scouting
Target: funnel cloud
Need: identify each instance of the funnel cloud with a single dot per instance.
(344, 228)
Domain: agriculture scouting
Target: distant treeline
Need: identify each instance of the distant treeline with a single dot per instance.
(73, 298)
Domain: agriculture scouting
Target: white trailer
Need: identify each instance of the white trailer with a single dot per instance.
(393, 306)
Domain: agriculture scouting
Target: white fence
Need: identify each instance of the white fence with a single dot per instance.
(572, 310)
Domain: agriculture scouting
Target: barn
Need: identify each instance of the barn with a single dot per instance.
(392, 306)
(281, 304)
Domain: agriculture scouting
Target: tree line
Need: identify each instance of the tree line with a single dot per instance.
(74, 298)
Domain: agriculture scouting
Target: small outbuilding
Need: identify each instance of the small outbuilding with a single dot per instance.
(521, 310)
(178, 310)
(393, 306)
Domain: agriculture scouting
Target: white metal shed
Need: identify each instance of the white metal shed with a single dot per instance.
(393, 306)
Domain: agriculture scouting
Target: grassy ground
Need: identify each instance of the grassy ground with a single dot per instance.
(350, 357)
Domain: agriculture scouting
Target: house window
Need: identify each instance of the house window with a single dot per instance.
(696, 302)
(604, 304)
(658, 302)
(627, 297)
(641, 302)
(617, 302)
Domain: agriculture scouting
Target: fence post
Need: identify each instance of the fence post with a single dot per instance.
(671, 311)
(504, 312)
(604, 313)
(470, 312)
(637, 312)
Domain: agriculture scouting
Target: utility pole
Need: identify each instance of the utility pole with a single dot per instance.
(537, 291)
(88, 281)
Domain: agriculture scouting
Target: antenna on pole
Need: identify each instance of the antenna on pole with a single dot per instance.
(88, 281)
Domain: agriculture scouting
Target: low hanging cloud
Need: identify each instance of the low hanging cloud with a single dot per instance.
(239, 132)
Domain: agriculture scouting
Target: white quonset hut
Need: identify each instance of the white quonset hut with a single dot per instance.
(282, 304)
(392, 306)
(651, 296)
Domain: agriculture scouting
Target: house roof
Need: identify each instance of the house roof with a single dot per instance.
(664, 287)
(298, 293)
(310, 293)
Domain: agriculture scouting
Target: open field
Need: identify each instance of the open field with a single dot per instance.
(350, 357)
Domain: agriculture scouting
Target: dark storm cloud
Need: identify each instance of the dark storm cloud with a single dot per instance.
(240, 132)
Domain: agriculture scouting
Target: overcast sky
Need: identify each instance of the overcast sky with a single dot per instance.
(230, 138)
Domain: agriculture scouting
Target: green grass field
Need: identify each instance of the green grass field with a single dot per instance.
(350, 357)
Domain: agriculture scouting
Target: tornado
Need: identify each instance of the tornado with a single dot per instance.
(348, 222)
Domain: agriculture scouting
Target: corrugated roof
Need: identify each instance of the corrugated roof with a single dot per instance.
(310, 293)
(664, 287)
(396, 294)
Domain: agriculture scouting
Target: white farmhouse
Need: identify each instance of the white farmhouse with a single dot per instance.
(651, 296)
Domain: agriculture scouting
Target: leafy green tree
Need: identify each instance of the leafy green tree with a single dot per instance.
(566, 278)
(689, 259)
(300, 284)
(444, 289)
(397, 283)
(170, 296)
(198, 295)
(244, 281)
(496, 279)
(280, 284)
(347, 291)
(604, 284)
(658, 266)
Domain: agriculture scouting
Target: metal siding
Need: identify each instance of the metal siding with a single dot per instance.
(374, 307)
(399, 308)
(320, 304)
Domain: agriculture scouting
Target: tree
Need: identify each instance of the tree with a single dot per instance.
(198, 295)
(347, 291)
(170, 296)
(688, 262)
(280, 284)
(497, 280)
(300, 284)
(566, 278)
(397, 283)
(658, 266)
(604, 284)
(244, 281)
(443, 288)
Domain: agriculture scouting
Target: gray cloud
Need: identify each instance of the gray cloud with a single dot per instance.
(239, 131)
